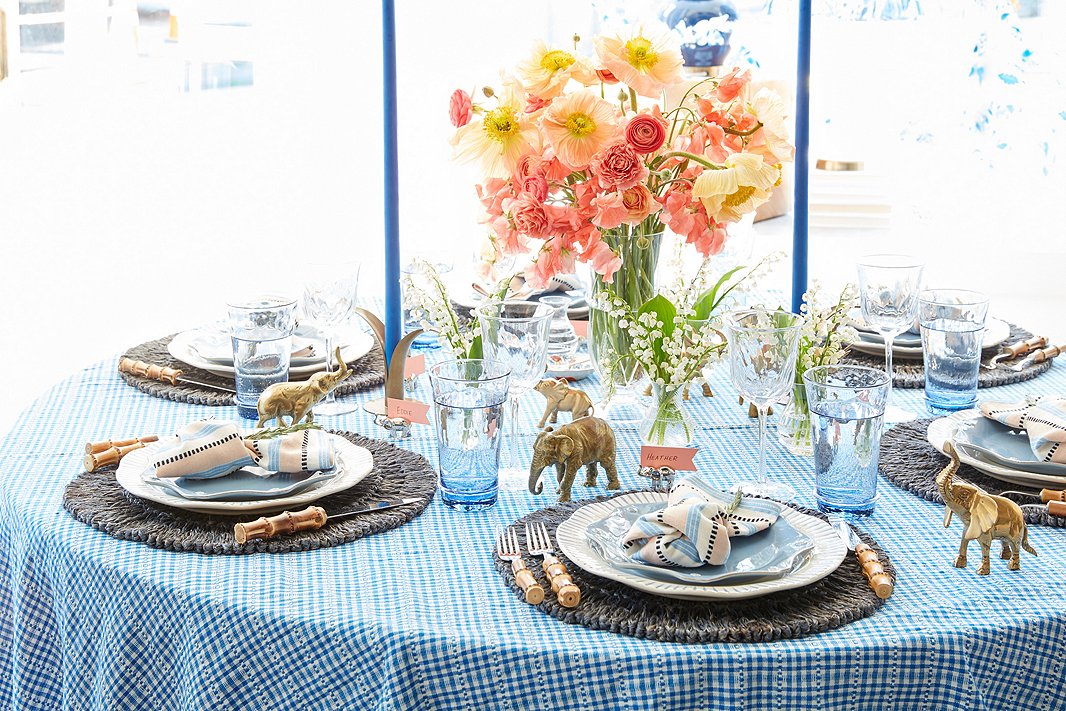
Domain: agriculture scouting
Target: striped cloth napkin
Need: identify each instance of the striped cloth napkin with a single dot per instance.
(695, 526)
(211, 448)
(1043, 419)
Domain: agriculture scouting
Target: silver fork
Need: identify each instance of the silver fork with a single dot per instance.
(539, 543)
(507, 549)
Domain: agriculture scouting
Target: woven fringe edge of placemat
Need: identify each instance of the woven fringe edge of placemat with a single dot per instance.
(367, 372)
(911, 374)
(98, 500)
(911, 463)
(842, 597)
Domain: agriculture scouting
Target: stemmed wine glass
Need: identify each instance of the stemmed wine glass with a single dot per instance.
(516, 333)
(329, 298)
(889, 285)
(763, 347)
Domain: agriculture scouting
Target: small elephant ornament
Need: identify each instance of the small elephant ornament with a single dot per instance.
(585, 442)
(986, 517)
(562, 397)
(297, 399)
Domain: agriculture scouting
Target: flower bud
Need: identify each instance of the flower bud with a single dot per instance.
(487, 91)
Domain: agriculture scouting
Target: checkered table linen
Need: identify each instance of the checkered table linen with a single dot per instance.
(417, 618)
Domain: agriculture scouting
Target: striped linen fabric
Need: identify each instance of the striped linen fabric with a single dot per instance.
(1043, 419)
(303, 451)
(695, 526)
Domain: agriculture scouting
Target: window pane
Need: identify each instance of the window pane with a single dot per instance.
(42, 39)
(32, 7)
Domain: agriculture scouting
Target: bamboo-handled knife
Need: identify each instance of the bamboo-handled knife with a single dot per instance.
(165, 374)
(309, 519)
(1038, 357)
(880, 581)
(1016, 350)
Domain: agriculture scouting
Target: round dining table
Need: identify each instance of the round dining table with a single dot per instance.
(418, 617)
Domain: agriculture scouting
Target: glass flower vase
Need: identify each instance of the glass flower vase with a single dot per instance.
(794, 424)
(667, 422)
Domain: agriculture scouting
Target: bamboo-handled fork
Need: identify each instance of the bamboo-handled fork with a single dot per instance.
(507, 549)
(539, 543)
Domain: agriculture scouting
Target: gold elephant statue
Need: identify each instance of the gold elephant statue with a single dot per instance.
(987, 517)
(562, 397)
(585, 442)
(297, 399)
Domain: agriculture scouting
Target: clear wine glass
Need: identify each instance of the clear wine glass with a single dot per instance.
(329, 298)
(889, 285)
(516, 334)
(763, 347)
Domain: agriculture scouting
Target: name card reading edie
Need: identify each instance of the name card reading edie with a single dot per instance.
(677, 458)
(411, 410)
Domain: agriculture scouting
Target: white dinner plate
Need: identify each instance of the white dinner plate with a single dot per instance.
(358, 345)
(245, 484)
(572, 536)
(575, 367)
(213, 343)
(353, 465)
(942, 430)
(996, 332)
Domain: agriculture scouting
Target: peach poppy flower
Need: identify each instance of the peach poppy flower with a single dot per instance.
(739, 188)
(545, 73)
(645, 58)
(771, 141)
(578, 126)
(503, 136)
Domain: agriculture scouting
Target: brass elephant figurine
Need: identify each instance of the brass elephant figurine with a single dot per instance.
(585, 442)
(297, 399)
(987, 517)
(562, 397)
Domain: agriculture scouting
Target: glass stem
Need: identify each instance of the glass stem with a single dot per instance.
(329, 399)
(889, 337)
(513, 449)
(762, 443)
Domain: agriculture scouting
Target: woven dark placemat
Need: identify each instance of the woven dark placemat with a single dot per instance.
(842, 597)
(97, 499)
(907, 373)
(911, 463)
(367, 372)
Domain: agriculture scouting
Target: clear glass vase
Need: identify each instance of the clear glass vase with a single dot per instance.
(666, 422)
(608, 341)
(794, 424)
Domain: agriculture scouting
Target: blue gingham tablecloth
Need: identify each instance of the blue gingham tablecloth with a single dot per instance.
(417, 617)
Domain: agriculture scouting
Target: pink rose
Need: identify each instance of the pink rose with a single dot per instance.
(646, 132)
(730, 86)
(639, 203)
(536, 186)
(618, 167)
(528, 216)
(460, 108)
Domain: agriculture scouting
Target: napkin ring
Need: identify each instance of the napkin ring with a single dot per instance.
(662, 478)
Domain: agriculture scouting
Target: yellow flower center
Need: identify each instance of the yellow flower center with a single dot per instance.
(640, 54)
(580, 125)
(500, 124)
(555, 60)
(739, 197)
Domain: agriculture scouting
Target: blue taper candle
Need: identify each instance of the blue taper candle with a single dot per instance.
(393, 307)
(803, 138)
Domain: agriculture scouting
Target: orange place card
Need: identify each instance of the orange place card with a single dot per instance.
(414, 366)
(677, 458)
(581, 328)
(410, 410)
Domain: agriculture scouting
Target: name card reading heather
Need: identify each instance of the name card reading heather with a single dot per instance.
(411, 410)
(413, 366)
(677, 458)
(581, 328)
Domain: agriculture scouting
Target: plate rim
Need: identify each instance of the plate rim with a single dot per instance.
(1018, 464)
(128, 476)
(939, 432)
(294, 487)
(827, 556)
(361, 344)
(871, 348)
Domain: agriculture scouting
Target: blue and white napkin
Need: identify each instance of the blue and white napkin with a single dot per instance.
(1043, 418)
(207, 449)
(695, 526)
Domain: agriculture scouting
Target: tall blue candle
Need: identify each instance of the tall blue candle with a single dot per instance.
(803, 137)
(393, 308)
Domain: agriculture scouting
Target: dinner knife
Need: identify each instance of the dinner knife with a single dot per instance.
(165, 374)
(880, 581)
(1016, 350)
(1038, 357)
(309, 519)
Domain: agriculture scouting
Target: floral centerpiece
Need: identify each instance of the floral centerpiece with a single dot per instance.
(583, 162)
(823, 340)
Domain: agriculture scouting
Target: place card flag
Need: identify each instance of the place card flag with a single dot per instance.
(414, 366)
(411, 410)
(677, 458)
(581, 328)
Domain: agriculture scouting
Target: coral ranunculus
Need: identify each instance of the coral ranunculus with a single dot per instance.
(460, 108)
(618, 167)
(649, 60)
(639, 204)
(578, 126)
(528, 216)
(646, 131)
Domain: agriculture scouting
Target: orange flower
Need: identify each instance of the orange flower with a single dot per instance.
(578, 126)
(646, 59)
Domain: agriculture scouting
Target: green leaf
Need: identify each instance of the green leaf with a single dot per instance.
(709, 300)
(476, 350)
(664, 311)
